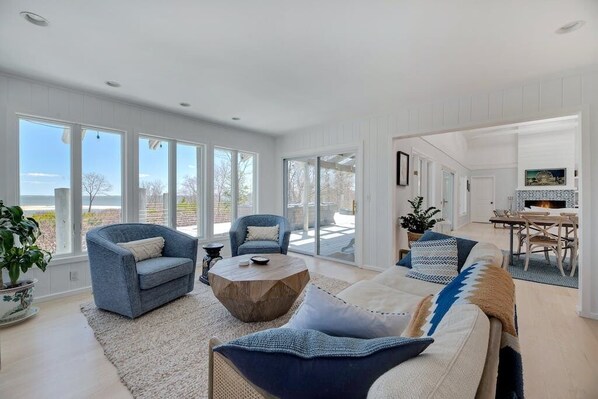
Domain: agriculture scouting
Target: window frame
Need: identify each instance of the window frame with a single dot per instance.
(76, 177)
(235, 184)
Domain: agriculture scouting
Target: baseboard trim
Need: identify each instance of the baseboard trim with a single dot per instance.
(63, 294)
(588, 315)
(374, 268)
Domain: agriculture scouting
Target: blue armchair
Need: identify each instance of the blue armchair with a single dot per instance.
(238, 233)
(131, 289)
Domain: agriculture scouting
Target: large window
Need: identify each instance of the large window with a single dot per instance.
(234, 181)
(166, 167)
(70, 179)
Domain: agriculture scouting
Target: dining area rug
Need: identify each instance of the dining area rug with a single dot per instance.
(540, 271)
(164, 353)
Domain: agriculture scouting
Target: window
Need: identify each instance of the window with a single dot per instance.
(153, 181)
(164, 162)
(70, 179)
(101, 180)
(189, 189)
(234, 181)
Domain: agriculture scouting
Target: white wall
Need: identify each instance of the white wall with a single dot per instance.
(552, 150)
(560, 94)
(505, 184)
(453, 144)
(492, 152)
(45, 100)
(440, 160)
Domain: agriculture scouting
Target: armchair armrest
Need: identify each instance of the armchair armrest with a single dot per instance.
(284, 235)
(177, 244)
(237, 234)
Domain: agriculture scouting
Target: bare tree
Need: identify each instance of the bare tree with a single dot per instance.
(94, 184)
(189, 188)
(154, 190)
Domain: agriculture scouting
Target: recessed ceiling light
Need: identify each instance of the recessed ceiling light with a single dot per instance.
(236, 118)
(570, 27)
(184, 104)
(112, 83)
(34, 18)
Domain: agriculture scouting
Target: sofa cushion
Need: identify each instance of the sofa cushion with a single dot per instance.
(451, 367)
(464, 247)
(262, 233)
(485, 251)
(157, 271)
(434, 261)
(373, 296)
(258, 247)
(324, 312)
(144, 249)
(395, 277)
(290, 363)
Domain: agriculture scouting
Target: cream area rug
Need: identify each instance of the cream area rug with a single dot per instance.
(164, 353)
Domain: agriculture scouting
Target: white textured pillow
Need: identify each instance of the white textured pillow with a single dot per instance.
(144, 249)
(262, 233)
(331, 315)
(435, 261)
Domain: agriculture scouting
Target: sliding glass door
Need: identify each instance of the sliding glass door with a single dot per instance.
(320, 204)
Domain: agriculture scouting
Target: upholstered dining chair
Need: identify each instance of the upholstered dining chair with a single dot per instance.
(539, 232)
(238, 235)
(124, 286)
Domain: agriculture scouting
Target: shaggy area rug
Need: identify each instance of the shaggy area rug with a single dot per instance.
(164, 354)
(540, 271)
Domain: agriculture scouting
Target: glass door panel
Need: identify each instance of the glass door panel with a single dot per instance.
(300, 204)
(337, 207)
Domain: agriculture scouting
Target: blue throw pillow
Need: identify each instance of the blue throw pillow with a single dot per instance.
(290, 363)
(464, 247)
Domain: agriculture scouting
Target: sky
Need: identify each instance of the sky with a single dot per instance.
(45, 158)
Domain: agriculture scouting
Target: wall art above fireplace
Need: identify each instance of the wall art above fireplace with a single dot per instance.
(546, 177)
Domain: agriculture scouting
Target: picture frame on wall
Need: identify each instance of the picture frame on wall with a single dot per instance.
(402, 168)
(546, 177)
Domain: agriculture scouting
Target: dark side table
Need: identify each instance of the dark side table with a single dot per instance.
(212, 256)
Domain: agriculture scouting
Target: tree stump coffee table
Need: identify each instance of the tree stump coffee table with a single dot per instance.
(258, 292)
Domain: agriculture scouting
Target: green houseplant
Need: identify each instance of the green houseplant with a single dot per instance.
(18, 253)
(419, 220)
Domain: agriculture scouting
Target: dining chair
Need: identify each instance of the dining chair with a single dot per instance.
(572, 240)
(539, 232)
(520, 232)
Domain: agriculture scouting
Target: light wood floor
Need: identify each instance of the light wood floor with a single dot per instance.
(55, 354)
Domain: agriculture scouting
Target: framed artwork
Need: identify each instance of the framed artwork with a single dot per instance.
(546, 177)
(402, 168)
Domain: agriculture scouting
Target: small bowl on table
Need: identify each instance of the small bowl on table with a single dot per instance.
(260, 260)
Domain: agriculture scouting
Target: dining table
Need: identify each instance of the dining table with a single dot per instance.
(516, 221)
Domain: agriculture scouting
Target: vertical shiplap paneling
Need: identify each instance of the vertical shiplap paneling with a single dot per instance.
(4, 166)
(437, 115)
(59, 278)
(531, 98)
(465, 110)
(425, 118)
(106, 113)
(572, 91)
(413, 120)
(76, 106)
(58, 101)
(19, 96)
(551, 94)
(40, 99)
(513, 102)
(495, 105)
(92, 110)
(403, 121)
(451, 113)
(479, 107)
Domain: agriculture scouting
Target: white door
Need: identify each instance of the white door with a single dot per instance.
(482, 199)
(448, 184)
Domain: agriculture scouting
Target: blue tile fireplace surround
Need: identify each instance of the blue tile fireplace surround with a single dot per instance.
(544, 195)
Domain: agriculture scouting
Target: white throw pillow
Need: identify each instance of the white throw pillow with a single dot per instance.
(435, 261)
(144, 249)
(331, 315)
(262, 233)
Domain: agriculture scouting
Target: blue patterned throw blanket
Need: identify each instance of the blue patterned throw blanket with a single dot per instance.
(491, 288)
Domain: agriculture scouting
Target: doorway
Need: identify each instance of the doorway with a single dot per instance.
(482, 198)
(448, 194)
(320, 203)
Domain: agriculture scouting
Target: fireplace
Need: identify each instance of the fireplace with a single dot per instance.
(552, 204)
(562, 198)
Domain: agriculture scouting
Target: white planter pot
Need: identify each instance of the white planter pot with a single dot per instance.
(15, 302)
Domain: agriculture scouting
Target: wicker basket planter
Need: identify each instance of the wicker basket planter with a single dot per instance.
(411, 237)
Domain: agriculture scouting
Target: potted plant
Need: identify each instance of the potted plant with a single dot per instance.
(419, 220)
(18, 253)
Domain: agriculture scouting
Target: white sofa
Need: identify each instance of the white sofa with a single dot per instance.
(461, 363)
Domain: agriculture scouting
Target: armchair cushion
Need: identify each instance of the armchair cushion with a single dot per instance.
(157, 271)
(259, 247)
(144, 249)
(262, 233)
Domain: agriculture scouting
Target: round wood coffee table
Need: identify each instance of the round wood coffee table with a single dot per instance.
(258, 292)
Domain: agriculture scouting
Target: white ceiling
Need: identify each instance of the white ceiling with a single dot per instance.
(282, 65)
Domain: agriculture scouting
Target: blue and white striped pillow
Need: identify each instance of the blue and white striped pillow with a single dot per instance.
(434, 261)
